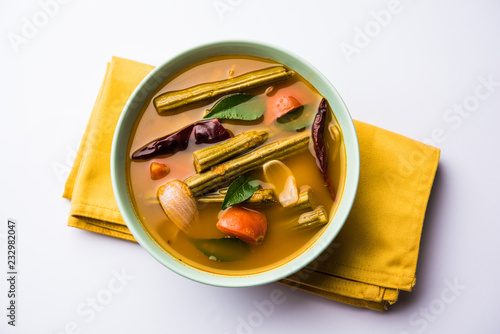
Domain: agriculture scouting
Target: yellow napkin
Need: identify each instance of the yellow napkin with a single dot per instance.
(93, 205)
(375, 254)
(373, 257)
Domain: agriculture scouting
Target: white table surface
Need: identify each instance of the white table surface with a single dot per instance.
(424, 59)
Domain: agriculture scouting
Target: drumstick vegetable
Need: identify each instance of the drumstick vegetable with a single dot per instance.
(174, 99)
(264, 197)
(222, 174)
(212, 155)
(261, 197)
(308, 220)
(304, 202)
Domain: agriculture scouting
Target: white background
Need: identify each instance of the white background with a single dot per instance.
(426, 57)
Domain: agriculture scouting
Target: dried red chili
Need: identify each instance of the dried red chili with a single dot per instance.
(318, 129)
(209, 131)
(168, 145)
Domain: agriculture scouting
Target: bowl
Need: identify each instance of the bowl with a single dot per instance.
(148, 87)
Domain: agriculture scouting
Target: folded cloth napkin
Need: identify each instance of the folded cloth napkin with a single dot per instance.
(373, 257)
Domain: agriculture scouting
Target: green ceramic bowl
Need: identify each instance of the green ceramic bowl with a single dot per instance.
(141, 95)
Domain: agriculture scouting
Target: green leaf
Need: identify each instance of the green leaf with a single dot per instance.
(240, 190)
(292, 115)
(223, 249)
(297, 119)
(246, 107)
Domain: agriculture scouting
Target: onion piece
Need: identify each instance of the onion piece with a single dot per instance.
(283, 181)
(178, 203)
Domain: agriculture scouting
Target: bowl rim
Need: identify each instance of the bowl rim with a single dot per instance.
(147, 87)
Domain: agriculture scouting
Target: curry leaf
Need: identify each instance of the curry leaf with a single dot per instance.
(240, 190)
(292, 115)
(297, 119)
(223, 249)
(246, 107)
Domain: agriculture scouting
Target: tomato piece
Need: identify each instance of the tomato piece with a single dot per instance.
(158, 170)
(285, 104)
(245, 224)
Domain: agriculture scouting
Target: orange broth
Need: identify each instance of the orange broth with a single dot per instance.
(280, 245)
